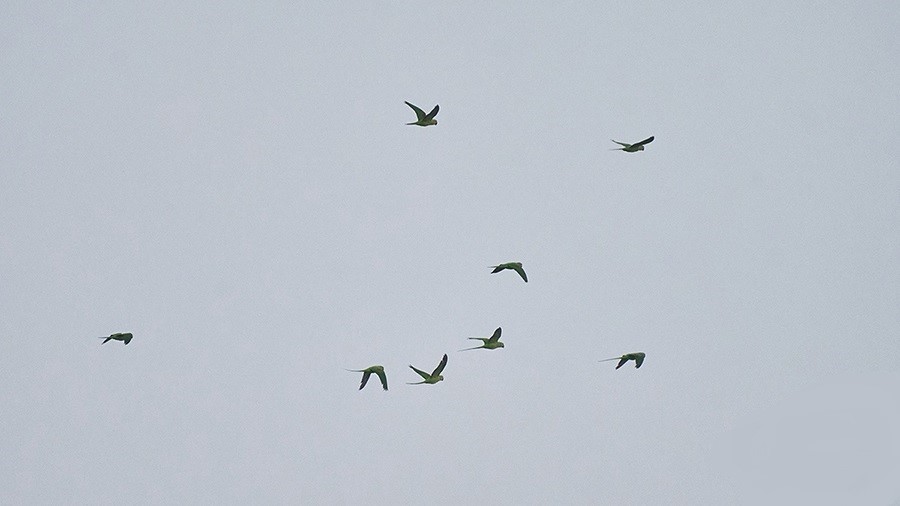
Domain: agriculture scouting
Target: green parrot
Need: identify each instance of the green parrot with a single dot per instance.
(490, 343)
(126, 337)
(631, 148)
(368, 371)
(516, 266)
(637, 357)
(434, 377)
(422, 118)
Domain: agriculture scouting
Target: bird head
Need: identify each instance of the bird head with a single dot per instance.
(500, 345)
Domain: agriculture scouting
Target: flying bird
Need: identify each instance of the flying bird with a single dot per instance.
(516, 266)
(631, 148)
(119, 336)
(434, 377)
(490, 343)
(422, 118)
(368, 371)
(637, 357)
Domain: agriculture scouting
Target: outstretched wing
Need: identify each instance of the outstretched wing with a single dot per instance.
(433, 112)
(638, 360)
(420, 372)
(441, 366)
(495, 336)
(621, 143)
(383, 377)
(622, 362)
(521, 271)
(498, 268)
(420, 114)
(648, 140)
(365, 379)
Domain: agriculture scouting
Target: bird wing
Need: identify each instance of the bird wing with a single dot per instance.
(638, 360)
(648, 140)
(383, 377)
(621, 143)
(433, 112)
(420, 114)
(495, 336)
(106, 339)
(622, 362)
(497, 268)
(420, 372)
(521, 271)
(440, 367)
(365, 379)
(127, 337)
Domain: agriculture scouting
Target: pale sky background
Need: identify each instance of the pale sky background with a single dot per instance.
(234, 183)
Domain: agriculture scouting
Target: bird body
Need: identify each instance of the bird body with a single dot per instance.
(368, 371)
(638, 358)
(435, 375)
(490, 343)
(631, 148)
(423, 119)
(516, 266)
(119, 336)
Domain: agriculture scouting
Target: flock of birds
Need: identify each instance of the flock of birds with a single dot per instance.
(488, 343)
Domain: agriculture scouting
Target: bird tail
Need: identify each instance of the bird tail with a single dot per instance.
(475, 348)
(608, 359)
(419, 383)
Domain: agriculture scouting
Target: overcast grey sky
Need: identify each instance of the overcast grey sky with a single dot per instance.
(235, 184)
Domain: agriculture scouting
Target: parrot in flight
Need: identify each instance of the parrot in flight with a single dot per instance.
(434, 377)
(422, 118)
(490, 343)
(631, 148)
(119, 336)
(516, 266)
(637, 357)
(368, 371)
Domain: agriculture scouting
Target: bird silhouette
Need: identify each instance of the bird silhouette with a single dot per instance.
(422, 118)
(489, 343)
(368, 371)
(435, 375)
(631, 148)
(516, 266)
(119, 336)
(637, 357)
